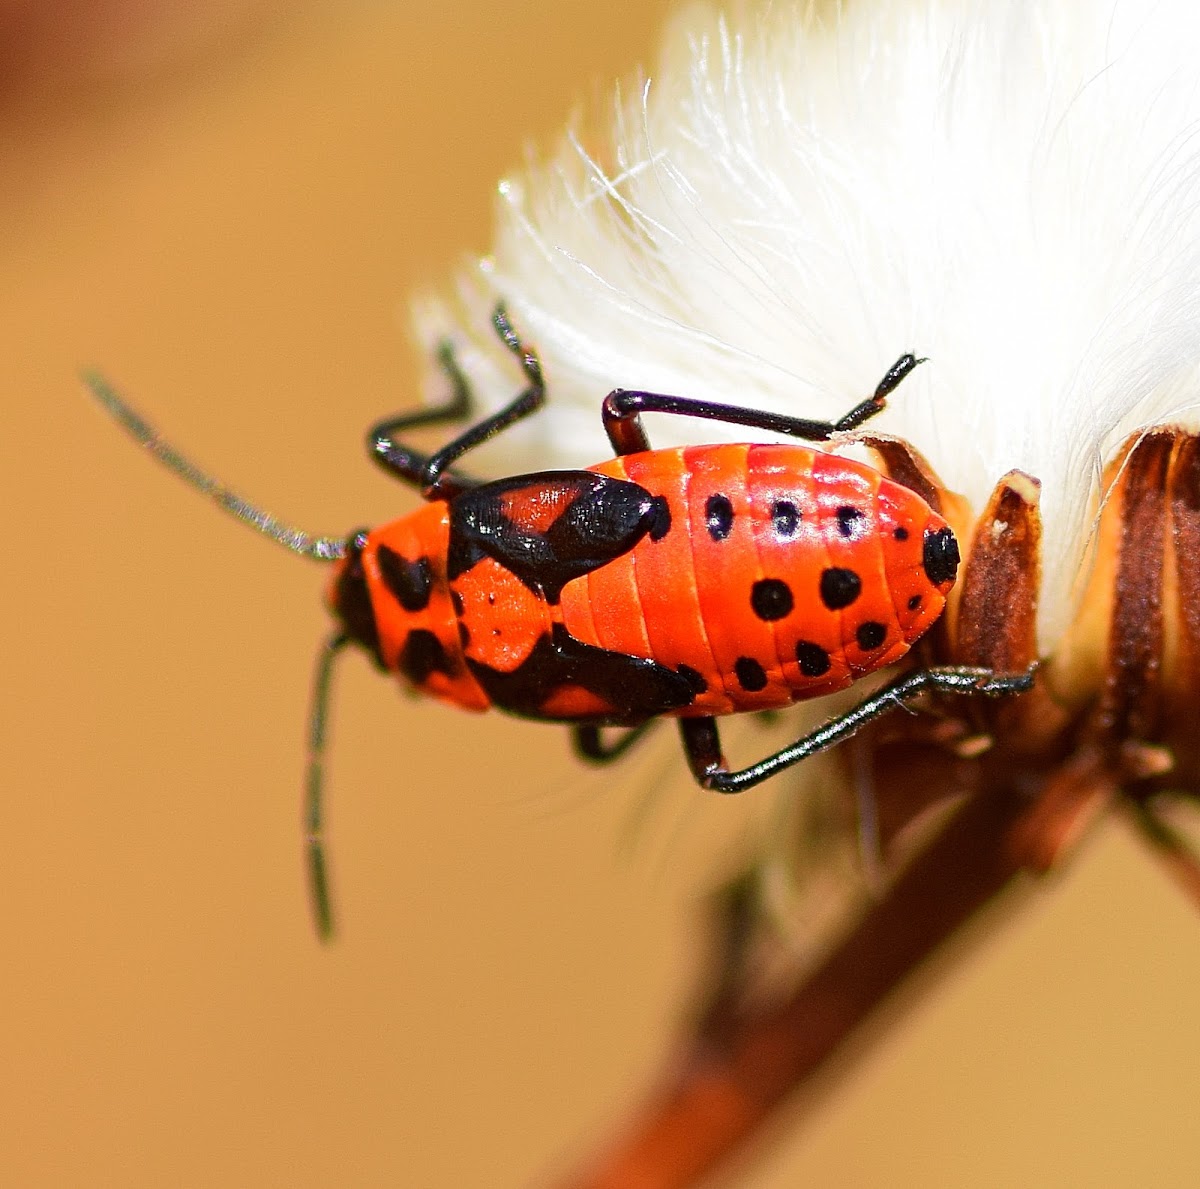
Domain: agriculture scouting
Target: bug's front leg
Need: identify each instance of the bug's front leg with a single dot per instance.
(430, 472)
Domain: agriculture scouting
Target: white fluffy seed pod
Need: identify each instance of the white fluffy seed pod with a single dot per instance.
(794, 198)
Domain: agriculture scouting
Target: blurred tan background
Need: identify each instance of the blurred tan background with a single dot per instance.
(226, 207)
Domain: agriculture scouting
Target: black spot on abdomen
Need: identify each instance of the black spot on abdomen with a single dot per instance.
(785, 519)
(870, 635)
(848, 520)
(812, 659)
(771, 598)
(750, 674)
(839, 588)
(718, 516)
(940, 556)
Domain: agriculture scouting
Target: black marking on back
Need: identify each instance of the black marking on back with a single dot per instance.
(660, 518)
(914, 602)
(635, 688)
(900, 533)
(812, 659)
(693, 677)
(940, 556)
(785, 518)
(603, 519)
(839, 587)
(771, 598)
(750, 674)
(422, 656)
(410, 581)
(849, 520)
(718, 516)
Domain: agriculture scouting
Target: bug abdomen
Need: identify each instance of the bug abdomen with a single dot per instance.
(781, 575)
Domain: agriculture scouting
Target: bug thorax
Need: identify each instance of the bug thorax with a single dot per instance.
(349, 596)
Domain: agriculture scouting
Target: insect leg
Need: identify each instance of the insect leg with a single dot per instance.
(702, 743)
(405, 463)
(589, 744)
(429, 471)
(623, 408)
(314, 821)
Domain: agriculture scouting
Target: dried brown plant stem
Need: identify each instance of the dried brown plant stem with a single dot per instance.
(737, 1067)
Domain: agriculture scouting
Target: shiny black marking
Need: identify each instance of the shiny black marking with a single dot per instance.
(940, 556)
(870, 635)
(603, 519)
(771, 598)
(900, 533)
(812, 659)
(660, 518)
(456, 601)
(352, 599)
(410, 581)
(750, 674)
(848, 519)
(718, 516)
(839, 587)
(914, 602)
(693, 677)
(785, 518)
(422, 656)
(635, 688)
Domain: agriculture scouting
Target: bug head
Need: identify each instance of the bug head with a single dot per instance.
(349, 596)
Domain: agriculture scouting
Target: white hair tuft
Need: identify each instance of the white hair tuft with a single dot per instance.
(797, 197)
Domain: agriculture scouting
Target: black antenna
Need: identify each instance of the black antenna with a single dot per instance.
(314, 823)
(293, 539)
(297, 541)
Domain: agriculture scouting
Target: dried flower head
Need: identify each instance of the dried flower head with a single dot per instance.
(795, 198)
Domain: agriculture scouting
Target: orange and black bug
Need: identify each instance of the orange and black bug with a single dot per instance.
(687, 583)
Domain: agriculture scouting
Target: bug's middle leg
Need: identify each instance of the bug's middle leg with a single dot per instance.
(623, 408)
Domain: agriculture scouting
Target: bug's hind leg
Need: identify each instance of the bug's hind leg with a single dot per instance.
(702, 743)
(590, 745)
(430, 471)
(623, 408)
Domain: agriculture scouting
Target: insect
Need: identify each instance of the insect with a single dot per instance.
(687, 583)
